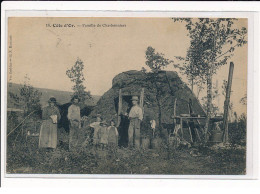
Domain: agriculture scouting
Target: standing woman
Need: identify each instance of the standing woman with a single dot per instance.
(48, 132)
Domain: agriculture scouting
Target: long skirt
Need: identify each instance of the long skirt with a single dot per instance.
(48, 135)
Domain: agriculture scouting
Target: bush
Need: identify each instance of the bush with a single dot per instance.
(237, 131)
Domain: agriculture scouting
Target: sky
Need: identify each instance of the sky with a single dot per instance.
(44, 48)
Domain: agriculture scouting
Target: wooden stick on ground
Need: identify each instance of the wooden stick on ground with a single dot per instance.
(21, 122)
(191, 139)
(197, 133)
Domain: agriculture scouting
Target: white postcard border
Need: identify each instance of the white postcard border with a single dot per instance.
(122, 11)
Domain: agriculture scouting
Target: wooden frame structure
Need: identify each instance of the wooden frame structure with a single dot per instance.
(120, 102)
(181, 118)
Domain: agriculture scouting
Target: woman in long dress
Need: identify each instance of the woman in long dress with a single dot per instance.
(48, 132)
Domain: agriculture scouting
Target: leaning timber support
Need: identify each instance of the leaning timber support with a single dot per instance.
(119, 107)
(174, 115)
(181, 128)
(21, 123)
(191, 139)
(227, 101)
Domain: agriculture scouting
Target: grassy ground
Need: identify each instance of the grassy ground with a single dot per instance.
(25, 157)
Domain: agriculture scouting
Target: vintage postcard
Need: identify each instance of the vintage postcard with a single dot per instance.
(127, 95)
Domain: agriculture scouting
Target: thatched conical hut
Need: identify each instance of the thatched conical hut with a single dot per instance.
(160, 91)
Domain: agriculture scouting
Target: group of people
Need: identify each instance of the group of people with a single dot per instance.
(104, 135)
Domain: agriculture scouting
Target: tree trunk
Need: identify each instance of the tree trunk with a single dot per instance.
(209, 85)
(209, 101)
(159, 106)
(192, 84)
(160, 113)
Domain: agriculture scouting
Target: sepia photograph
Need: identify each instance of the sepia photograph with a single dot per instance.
(126, 95)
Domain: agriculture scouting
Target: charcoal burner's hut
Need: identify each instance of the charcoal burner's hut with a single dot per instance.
(159, 93)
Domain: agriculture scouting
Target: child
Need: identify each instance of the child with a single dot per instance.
(103, 135)
(96, 126)
(153, 125)
(112, 135)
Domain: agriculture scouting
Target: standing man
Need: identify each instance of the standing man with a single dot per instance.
(135, 117)
(75, 123)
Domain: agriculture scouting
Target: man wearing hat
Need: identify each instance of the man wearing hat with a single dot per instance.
(135, 117)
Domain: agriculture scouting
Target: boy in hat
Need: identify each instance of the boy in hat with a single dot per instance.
(135, 117)
(75, 123)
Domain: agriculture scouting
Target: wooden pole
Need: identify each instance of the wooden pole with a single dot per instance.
(21, 122)
(119, 107)
(174, 107)
(142, 99)
(196, 130)
(227, 101)
(191, 139)
(181, 128)
(190, 112)
(174, 115)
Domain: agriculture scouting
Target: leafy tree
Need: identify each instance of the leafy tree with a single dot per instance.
(215, 95)
(75, 73)
(28, 98)
(156, 62)
(212, 43)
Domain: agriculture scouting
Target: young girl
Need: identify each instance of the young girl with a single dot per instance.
(103, 135)
(96, 126)
(112, 135)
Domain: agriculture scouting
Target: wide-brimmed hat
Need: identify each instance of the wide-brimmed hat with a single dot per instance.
(135, 98)
(52, 99)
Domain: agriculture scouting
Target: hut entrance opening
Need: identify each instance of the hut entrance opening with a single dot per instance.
(123, 107)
